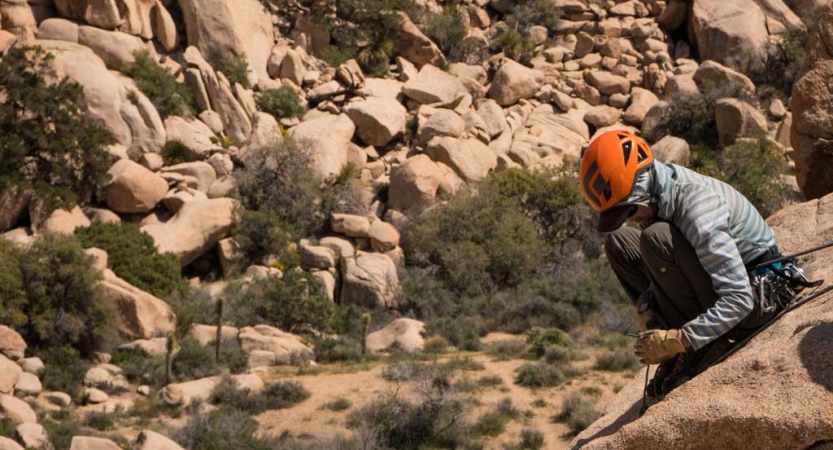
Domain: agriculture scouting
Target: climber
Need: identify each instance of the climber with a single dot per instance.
(685, 268)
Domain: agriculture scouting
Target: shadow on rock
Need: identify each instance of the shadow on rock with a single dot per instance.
(816, 353)
(631, 415)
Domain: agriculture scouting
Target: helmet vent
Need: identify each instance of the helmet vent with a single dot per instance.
(607, 192)
(626, 150)
(641, 156)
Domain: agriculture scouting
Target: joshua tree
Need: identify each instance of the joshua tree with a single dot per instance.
(170, 346)
(365, 329)
(221, 306)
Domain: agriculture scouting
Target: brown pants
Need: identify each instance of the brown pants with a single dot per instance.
(661, 256)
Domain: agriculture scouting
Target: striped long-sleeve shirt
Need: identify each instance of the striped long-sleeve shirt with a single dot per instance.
(726, 232)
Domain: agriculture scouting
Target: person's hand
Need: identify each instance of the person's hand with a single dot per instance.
(655, 346)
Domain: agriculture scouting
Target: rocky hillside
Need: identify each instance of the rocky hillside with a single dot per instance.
(265, 165)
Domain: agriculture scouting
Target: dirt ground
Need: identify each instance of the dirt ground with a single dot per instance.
(363, 383)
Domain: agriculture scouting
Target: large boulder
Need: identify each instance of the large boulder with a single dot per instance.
(133, 188)
(401, 334)
(369, 280)
(328, 138)
(812, 115)
(113, 47)
(713, 75)
(774, 393)
(607, 83)
(102, 13)
(641, 101)
(205, 334)
(377, 120)
(441, 122)
(195, 229)
(470, 158)
(193, 134)
(418, 181)
(65, 222)
(111, 99)
(9, 375)
(513, 82)
(731, 33)
(201, 171)
(672, 150)
(8, 444)
(92, 443)
(736, 118)
(433, 85)
(11, 343)
(415, 46)
(285, 347)
(140, 315)
(548, 133)
(16, 410)
(200, 390)
(225, 28)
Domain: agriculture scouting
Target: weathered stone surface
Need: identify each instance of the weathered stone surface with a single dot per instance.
(195, 229)
(441, 123)
(206, 334)
(418, 181)
(384, 237)
(65, 222)
(33, 435)
(8, 444)
(492, 114)
(602, 116)
(193, 134)
(31, 365)
(28, 384)
(432, 85)
(329, 137)
(774, 393)
(402, 334)
(736, 118)
(369, 280)
(285, 346)
(377, 120)
(713, 75)
(672, 150)
(200, 390)
(134, 189)
(513, 82)
(641, 101)
(16, 410)
(415, 46)
(731, 33)
(11, 343)
(9, 375)
(607, 83)
(315, 256)
(812, 116)
(92, 443)
(202, 171)
(113, 47)
(471, 159)
(151, 440)
(154, 347)
(140, 315)
(350, 225)
(58, 30)
(109, 97)
(105, 376)
(546, 133)
(223, 28)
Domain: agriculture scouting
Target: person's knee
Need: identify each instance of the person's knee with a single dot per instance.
(656, 240)
(619, 243)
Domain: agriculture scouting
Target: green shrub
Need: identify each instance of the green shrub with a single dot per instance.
(63, 370)
(170, 97)
(703, 160)
(621, 359)
(234, 67)
(7, 428)
(194, 361)
(174, 152)
(540, 339)
(132, 255)
(754, 167)
(57, 302)
(692, 117)
(555, 354)
(335, 56)
(287, 303)
(101, 421)
(222, 429)
(536, 375)
(530, 440)
(515, 46)
(445, 29)
(578, 412)
(461, 332)
(339, 404)
(140, 369)
(493, 423)
(434, 421)
(535, 12)
(785, 58)
(61, 432)
(471, 50)
(282, 102)
(44, 130)
(329, 350)
(275, 396)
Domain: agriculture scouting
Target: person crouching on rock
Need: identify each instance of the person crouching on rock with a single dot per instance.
(685, 268)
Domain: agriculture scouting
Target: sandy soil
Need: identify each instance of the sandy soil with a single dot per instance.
(362, 384)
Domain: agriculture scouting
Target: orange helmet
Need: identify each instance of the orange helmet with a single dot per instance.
(610, 166)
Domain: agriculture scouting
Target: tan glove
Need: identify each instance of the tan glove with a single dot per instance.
(655, 346)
